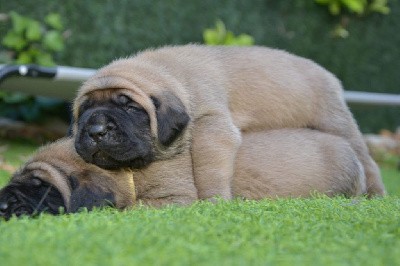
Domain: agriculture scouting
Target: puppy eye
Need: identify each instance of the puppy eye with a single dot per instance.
(128, 104)
(123, 99)
(134, 107)
(36, 182)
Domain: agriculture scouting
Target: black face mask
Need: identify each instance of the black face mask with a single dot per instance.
(30, 198)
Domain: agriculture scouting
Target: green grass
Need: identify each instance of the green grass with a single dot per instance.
(391, 178)
(318, 231)
(285, 232)
(13, 153)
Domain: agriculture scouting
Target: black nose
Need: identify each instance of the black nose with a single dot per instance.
(99, 126)
(3, 209)
(3, 206)
(100, 130)
(97, 131)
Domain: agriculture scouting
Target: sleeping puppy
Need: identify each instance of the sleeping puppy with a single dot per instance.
(278, 163)
(57, 178)
(161, 103)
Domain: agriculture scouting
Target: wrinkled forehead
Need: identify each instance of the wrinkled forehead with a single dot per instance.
(102, 95)
(111, 94)
(103, 86)
(56, 176)
(105, 95)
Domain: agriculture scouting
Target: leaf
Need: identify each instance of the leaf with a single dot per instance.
(13, 98)
(24, 58)
(323, 2)
(380, 6)
(221, 36)
(41, 57)
(33, 31)
(245, 40)
(334, 8)
(356, 6)
(217, 35)
(14, 41)
(380, 9)
(44, 59)
(19, 22)
(53, 41)
(210, 37)
(340, 32)
(221, 30)
(30, 112)
(33, 51)
(241, 40)
(229, 39)
(54, 21)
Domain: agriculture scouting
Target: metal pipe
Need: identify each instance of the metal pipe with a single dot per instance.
(371, 98)
(64, 81)
(74, 73)
(26, 71)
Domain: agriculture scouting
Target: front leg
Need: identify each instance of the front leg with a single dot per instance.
(166, 182)
(214, 147)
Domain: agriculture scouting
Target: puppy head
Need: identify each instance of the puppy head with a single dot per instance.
(29, 197)
(119, 125)
(57, 178)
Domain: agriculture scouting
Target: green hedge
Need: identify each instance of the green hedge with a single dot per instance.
(369, 60)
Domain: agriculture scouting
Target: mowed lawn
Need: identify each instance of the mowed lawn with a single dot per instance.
(318, 231)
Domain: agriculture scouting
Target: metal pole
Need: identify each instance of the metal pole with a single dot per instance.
(371, 98)
(64, 81)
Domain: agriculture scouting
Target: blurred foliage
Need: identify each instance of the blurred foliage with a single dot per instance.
(359, 7)
(31, 41)
(368, 60)
(20, 106)
(221, 36)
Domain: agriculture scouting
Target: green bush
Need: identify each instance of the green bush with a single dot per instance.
(221, 36)
(30, 41)
(360, 7)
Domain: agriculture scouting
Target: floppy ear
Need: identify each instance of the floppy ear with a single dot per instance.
(89, 196)
(172, 117)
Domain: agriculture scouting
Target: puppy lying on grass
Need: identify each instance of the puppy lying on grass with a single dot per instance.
(278, 163)
(56, 177)
(200, 99)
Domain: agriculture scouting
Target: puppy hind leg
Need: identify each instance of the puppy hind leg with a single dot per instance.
(375, 184)
(338, 120)
(215, 144)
